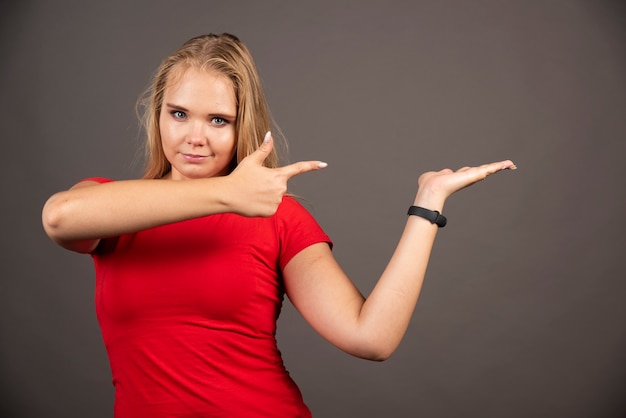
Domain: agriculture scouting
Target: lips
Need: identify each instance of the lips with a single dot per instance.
(194, 158)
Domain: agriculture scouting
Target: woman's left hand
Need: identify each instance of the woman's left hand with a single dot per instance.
(436, 186)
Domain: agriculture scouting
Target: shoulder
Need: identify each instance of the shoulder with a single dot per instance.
(293, 218)
(291, 206)
(296, 229)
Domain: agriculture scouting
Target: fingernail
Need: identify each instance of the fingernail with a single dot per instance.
(267, 137)
(322, 164)
(513, 167)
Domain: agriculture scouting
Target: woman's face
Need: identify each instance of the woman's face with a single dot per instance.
(197, 121)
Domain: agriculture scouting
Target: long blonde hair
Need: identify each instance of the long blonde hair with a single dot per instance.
(227, 55)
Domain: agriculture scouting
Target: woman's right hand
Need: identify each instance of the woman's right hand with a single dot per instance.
(257, 190)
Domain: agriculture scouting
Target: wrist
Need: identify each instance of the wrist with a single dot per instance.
(431, 193)
(221, 191)
(429, 200)
(433, 216)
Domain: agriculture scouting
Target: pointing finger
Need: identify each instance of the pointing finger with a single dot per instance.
(302, 167)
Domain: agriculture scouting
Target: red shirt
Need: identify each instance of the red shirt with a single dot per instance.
(188, 315)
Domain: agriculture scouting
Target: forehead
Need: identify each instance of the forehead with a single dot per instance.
(194, 85)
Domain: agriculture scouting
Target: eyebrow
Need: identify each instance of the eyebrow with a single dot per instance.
(184, 109)
(175, 106)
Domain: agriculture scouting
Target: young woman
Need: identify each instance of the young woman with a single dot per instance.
(192, 261)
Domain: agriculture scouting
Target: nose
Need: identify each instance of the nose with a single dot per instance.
(196, 134)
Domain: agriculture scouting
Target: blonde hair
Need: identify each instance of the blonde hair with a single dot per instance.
(227, 55)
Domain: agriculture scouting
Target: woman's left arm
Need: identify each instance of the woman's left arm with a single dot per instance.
(373, 327)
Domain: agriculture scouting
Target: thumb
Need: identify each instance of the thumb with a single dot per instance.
(264, 150)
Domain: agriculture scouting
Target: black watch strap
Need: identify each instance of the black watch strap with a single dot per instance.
(432, 215)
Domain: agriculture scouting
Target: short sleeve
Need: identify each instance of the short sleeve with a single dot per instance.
(97, 179)
(297, 229)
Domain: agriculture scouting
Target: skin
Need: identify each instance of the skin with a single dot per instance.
(198, 135)
(197, 128)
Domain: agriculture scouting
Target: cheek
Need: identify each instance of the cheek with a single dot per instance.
(163, 130)
(228, 144)
(168, 134)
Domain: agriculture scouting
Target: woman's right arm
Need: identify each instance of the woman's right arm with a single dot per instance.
(77, 219)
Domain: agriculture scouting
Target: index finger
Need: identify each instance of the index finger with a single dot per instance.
(301, 167)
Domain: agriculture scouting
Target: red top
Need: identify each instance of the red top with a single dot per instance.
(188, 315)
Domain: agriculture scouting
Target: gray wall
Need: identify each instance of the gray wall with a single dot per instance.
(522, 313)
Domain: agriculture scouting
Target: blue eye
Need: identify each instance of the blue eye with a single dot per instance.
(178, 114)
(219, 121)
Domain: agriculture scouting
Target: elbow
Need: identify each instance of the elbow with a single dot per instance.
(55, 218)
(52, 216)
(379, 355)
(377, 351)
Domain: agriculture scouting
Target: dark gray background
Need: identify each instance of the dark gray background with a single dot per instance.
(522, 313)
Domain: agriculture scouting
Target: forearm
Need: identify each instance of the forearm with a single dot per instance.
(111, 209)
(386, 313)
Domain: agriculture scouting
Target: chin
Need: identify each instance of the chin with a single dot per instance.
(198, 174)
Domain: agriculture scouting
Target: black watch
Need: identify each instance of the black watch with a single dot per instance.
(432, 215)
